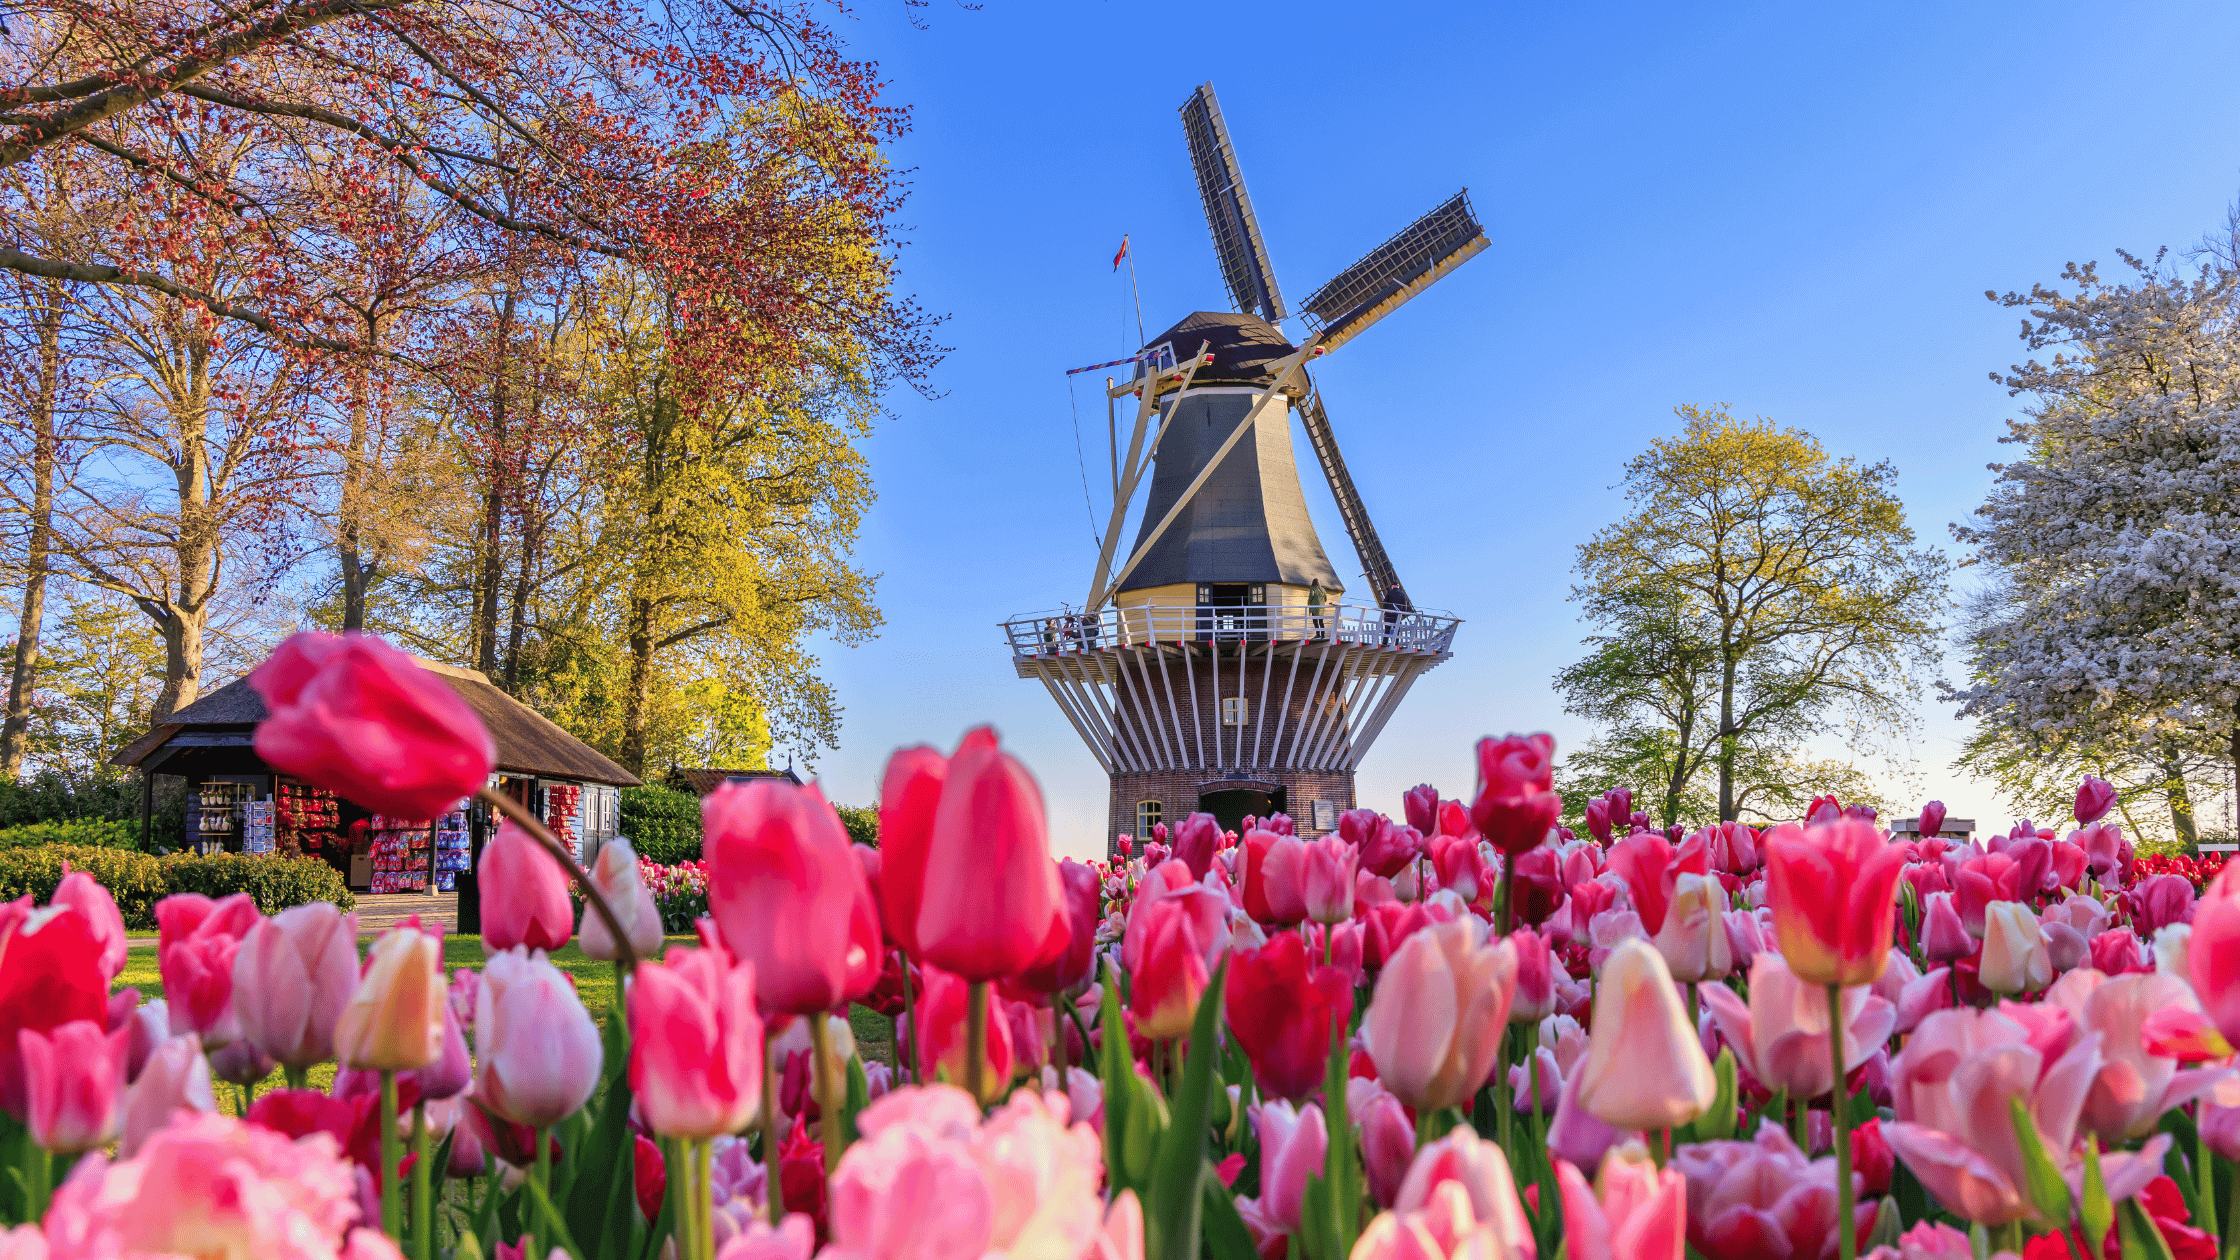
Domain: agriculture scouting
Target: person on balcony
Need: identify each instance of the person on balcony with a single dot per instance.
(1316, 598)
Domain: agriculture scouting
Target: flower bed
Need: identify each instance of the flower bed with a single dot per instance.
(1461, 1033)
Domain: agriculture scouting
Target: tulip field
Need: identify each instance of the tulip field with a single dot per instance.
(1461, 1032)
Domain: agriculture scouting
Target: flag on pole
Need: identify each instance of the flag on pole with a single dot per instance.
(1122, 256)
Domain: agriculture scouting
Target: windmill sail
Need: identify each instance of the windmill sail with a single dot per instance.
(1375, 564)
(1395, 271)
(1236, 233)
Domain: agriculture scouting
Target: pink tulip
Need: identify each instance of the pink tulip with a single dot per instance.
(2095, 797)
(616, 875)
(50, 975)
(1746, 936)
(1537, 972)
(1574, 1133)
(2158, 901)
(1952, 1085)
(1634, 1211)
(1645, 1065)
(1326, 884)
(175, 1078)
(695, 1044)
(1439, 1012)
(1944, 938)
(1462, 870)
(2102, 844)
(196, 941)
(1649, 866)
(2069, 862)
(292, 977)
(1781, 1035)
(212, 1186)
(1444, 1228)
(1386, 847)
(1385, 927)
(909, 795)
(354, 715)
(1516, 806)
(788, 895)
(938, 1035)
(1733, 847)
(1420, 806)
(1832, 888)
(539, 1049)
(1292, 1147)
(992, 904)
(1275, 874)
(1283, 1012)
(1177, 932)
(76, 1080)
(1478, 1168)
(1075, 965)
(79, 891)
(2134, 1087)
(1388, 1137)
(1693, 939)
(1195, 840)
(1748, 1200)
(2214, 962)
(525, 893)
(1931, 821)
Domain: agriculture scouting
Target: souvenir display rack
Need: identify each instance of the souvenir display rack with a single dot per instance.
(454, 843)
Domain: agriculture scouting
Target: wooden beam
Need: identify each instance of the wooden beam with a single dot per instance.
(1127, 492)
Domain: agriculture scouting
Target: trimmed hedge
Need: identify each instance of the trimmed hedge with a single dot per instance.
(663, 824)
(862, 822)
(139, 881)
(97, 833)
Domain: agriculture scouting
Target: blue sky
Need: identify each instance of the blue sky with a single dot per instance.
(1794, 210)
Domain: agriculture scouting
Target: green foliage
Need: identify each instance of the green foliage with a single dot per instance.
(50, 796)
(138, 881)
(862, 822)
(662, 824)
(95, 833)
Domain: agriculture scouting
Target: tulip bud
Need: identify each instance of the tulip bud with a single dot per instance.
(394, 1019)
(615, 874)
(1944, 938)
(1327, 883)
(992, 901)
(1441, 1007)
(787, 894)
(2095, 797)
(1515, 806)
(1693, 939)
(695, 1044)
(524, 893)
(1831, 888)
(1645, 1064)
(2014, 950)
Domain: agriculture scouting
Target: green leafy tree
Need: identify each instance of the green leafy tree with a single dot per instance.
(1757, 590)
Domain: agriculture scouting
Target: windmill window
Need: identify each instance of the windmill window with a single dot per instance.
(1235, 710)
(1147, 817)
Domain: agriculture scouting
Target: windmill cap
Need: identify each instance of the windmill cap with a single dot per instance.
(1244, 347)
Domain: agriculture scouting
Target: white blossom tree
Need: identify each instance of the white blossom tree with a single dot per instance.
(2112, 612)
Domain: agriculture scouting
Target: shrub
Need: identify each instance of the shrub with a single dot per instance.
(92, 833)
(667, 850)
(139, 881)
(661, 823)
(862, 822)
(134, 879)
(275, 882)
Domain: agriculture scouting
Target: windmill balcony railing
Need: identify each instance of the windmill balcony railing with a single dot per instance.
(1142, 625)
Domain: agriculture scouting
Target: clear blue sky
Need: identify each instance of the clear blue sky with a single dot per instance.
(1794, 210)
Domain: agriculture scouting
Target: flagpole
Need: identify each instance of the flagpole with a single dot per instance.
(1137, 292)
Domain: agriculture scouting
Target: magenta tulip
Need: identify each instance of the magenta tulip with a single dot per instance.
(1420, 806)
(1196, 840)
(196, 940)
(2095, 797)
(1931, 822)
(992, 904)
(1832, 887)
(75, 1076)
(909, 793)
(1072, 966)
(1282, 1012)
(354, 715)
(524, 893)
(1515, 805)
(695, 1044)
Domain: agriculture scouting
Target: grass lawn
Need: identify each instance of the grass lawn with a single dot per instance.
(594, 981)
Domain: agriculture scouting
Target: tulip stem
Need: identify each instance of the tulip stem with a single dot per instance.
(297, 1077)
(703, 1197)
(1847, 1237)
(909, 1016)
(976, 1041)
(392, 1154)
(2204, 1173)
(541, 1173)
(423, 1213)
(626, 956)
(2231, 1239)
(828, 1098)
(39, 1187)
(1501, 899)
(1800, 1122)
(1504, 1098)
(773, 1186)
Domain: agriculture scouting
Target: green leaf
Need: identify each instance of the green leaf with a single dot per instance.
(603, 1155)
(1172, 1213)
(2043, 1179)
(1118, 1070)
(2141, 1240)
(1776, 1106)
(2099, 1215)
(551, 1219)
(1717, 1124)
(1340, 1169)
(1226, 1235)
(468, 1248)
(2179, 1126)
(858, 1097)
(1910, 1195)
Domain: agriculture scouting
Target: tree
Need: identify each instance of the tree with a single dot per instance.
(32, 376)
(104, 674)
(2106, 632)
(1757, 589)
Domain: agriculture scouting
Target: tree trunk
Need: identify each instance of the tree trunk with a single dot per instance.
(1726, 741)
(492, 564)
(518, 617)
(2181, 800)
(635, 708)
(350, 537)
(181, 616)
(23, 675)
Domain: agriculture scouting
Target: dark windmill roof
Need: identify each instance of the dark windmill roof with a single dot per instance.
(527, 742)
(702, 780)
(1244, 347)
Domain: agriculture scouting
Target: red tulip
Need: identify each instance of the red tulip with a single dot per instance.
(649, 1177)
(1281, 1011)
(991, 901)
(524, 893)
(1274, 878)
(1831, 888)
(909, 793)
(354, 715)
(50, 975)
(2095, 797)
(2213, 955)
(1196, 840)
(787, 894)
(695, 1044)
(1177, 932)
(196, 941)
(80, 892)
(1515, 806)
(1084, 908)
(939, 1037)
(1385, 926)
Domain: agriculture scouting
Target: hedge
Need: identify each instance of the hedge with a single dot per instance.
(663, 824)
(139, 881)
(98, 833)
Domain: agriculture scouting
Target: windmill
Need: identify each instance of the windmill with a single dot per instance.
(1204, 670)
